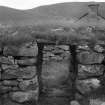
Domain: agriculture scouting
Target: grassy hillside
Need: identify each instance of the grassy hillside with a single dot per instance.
(62, 13)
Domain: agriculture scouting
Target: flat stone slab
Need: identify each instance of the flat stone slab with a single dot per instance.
(25, 73)
(85, 71)
(88, 57)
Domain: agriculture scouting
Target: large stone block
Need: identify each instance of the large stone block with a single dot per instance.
(31, 84)
(74, 102)
(63, 47)
(84, 47)
(85, 71)
(87, 57)
(25, 73)
(88, 85)
(28, 49)
(10, 83)
(11, 50)
(27, 96)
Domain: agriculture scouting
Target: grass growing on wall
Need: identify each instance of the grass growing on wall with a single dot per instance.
(65, 35)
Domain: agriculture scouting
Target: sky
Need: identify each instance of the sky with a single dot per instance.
(29, 4)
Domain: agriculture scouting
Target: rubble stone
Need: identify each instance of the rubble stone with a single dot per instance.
(85, 71)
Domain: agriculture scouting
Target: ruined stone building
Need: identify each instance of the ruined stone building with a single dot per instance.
(55, 66)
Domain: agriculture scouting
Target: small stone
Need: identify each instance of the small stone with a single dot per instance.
(28, 49)
(57, 51)
(85, 71)
(21, 97)
(46, 59)
(10, 83)
(87, 57)
(48, 48)
(31, 84)
(74, 103)
(87, 85)
(6, 60)
(48, 54)
(99, 48)
(25, 73)
(57, 58)
(28, 61)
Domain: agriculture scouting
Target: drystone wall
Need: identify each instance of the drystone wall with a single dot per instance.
(57, 83)
(18, 74)
(91, 78)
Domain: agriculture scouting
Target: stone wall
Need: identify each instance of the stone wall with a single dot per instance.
(90, 80)
(18, 74)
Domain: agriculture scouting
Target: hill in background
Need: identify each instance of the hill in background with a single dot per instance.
(61, 13)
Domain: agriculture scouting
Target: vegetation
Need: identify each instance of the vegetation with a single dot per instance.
(44, 34)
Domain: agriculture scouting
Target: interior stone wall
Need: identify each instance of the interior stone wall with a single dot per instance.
(55, 74)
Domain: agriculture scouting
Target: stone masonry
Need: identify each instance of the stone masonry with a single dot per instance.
(19, 74)
(91, 69)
